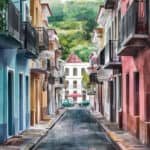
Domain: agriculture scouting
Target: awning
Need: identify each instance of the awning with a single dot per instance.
(75, 95)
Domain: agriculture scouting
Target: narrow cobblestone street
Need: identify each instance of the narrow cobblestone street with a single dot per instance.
(76, 130)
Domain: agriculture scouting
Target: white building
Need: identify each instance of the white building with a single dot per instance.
(73, 80)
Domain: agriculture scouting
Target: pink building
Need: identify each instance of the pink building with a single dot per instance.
(135, 52)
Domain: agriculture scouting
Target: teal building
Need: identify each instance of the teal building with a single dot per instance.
(17, 46)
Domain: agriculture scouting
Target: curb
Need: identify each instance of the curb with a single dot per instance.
(114, 138)
(33, 145)
(111, 134)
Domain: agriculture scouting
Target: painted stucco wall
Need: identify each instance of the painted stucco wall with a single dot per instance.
(17, 64)
(77, 78)
(141, 64)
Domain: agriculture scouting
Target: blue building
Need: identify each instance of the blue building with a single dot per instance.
(18, 44)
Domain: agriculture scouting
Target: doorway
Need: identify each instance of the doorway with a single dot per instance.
(20, 102)
(27, 101)
(10, 102)
(112, 102)
(127, 100)
(127, 93)
(136, 93)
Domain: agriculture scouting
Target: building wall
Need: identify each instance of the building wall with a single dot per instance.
(139, 64)
(137, 124)
(36, 13)
(10, 61)
(39, 109)
(77, 78)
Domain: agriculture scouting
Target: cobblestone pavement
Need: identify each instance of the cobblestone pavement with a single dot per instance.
(76, 130)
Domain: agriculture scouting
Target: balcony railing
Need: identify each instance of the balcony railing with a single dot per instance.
(9, 24)
(43, 38)
(134, 26)
(30, 40)
(93, 78)
(112, 60)
(110, 4)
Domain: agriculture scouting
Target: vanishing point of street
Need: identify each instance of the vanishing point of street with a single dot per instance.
(76, 130)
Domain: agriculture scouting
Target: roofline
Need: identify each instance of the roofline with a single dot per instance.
(48, 8)
(53, 30)
(100, 7)
(73, 62)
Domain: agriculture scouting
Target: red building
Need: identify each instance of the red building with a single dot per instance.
(135, 52)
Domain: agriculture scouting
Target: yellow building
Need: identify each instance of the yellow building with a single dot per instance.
(39, 11)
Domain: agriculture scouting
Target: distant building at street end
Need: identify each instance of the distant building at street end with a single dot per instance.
(74, 67)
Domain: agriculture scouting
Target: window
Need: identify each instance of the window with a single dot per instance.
(37, 19)
(66, 84)
(74, 92)
(74, 84)
(67, 72)
(75, 72)
(82, 71)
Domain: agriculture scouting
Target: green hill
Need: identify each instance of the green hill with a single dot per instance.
(75, 21)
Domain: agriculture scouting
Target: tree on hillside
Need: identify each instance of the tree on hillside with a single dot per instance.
(76, 20)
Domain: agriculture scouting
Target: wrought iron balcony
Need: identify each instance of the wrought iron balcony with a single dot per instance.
(30, 40)
(93, 78)
(43, 38)
(91, 91)
(112, 60)
(59, 82)
(110, 4)
(134, 28)
(51, 79)
(9, 25)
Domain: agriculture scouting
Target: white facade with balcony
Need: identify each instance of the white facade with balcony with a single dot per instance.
(73, 78)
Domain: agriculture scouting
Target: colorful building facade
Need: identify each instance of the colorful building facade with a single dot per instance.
(126, 53)
(14, 72)
(135, 53)
(74, 69)
(40, 11)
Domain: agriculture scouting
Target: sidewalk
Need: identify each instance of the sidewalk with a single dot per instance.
(30, 137)
(122, 138)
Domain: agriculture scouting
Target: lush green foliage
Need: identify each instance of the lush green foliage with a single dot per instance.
(75, 21)
(2, 12)
(85, 80)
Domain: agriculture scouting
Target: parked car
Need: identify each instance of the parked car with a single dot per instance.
(67, 103)
(84, 103)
